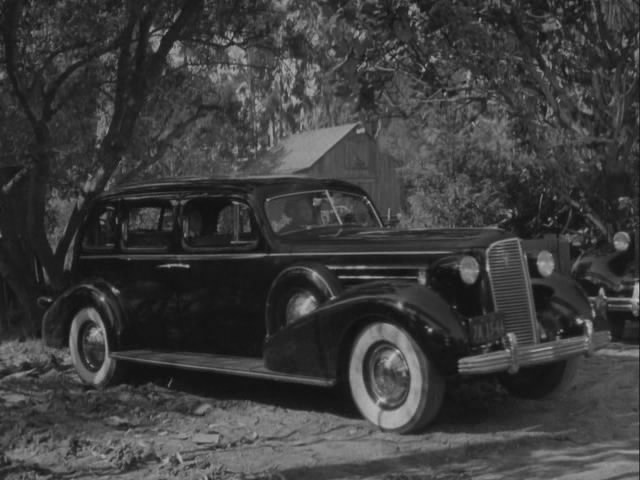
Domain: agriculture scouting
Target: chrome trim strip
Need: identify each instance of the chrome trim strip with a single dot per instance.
(360, 253)
(376, 272)
(241, 255)
(175, 258)
(510, 359)
(174, 266)
(375, 267)
(378, 277)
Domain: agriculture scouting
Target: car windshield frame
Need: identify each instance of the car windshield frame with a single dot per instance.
(278, 222)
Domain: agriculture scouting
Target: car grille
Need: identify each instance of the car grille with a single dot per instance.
(511, 289)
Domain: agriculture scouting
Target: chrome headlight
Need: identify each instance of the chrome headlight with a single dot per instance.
(469, 269)
(545, 263)
(621, 241)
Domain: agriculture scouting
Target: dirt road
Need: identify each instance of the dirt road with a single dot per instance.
(181, 425)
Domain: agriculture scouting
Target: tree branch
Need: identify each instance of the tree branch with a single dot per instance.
(551, 87)
(50, 93)
(191, 9)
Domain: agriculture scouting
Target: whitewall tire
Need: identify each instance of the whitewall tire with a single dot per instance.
(392, 382)
(89, 347)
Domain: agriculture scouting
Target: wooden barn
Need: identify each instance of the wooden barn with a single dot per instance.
(346, 152)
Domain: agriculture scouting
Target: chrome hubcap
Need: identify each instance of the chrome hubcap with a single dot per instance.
(300, 304)
(386, 376)
(93, 346)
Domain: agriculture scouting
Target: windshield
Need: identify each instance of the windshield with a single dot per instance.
(307, 210)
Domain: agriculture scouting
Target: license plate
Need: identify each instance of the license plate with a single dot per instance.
(486, 328)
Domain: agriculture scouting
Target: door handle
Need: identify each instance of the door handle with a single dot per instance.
(173, 266)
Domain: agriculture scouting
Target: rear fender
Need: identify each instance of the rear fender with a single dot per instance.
(99, 294)
(320, 343)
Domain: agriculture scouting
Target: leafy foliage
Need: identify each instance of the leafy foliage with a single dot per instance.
(102, 98)
(566, 72)
(457, 176)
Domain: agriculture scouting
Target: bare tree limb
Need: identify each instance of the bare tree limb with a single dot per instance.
(52, 90)
(188, 14)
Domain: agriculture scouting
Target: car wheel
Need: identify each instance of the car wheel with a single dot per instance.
(89, 347)
(542, 381)
(392, 382)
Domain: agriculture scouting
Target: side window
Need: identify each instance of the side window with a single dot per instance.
(100, 229)
(218, 223)
(148, 225)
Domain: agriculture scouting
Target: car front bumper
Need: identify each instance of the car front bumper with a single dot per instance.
(629, 304)
(514, 356)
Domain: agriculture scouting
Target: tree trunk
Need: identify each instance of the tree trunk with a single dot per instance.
(27, 296)
(20, 279)
(23, 242)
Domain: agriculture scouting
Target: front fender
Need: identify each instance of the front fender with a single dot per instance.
(567, 294)
(320, 343)
(605, 269)
(310, 275)
(99, 294)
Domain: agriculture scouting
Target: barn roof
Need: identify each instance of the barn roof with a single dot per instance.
(300, 151)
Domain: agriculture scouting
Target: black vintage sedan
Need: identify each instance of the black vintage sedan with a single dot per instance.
(296, 279)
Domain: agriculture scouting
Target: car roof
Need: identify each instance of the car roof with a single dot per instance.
(268, 185)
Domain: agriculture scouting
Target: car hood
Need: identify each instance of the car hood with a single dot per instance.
(387, 240)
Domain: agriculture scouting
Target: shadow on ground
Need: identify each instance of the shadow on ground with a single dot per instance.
(538, 459)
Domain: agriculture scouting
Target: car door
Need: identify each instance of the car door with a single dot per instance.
(222, 304)
(98, 256)
(150, 270)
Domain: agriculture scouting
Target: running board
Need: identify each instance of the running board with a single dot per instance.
(206, 362)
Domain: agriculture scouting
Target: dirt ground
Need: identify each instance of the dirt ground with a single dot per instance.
(193, 426)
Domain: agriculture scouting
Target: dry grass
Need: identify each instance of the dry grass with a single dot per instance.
(16, 356)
